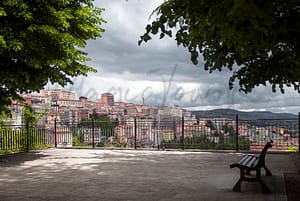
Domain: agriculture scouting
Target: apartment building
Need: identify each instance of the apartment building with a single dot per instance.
(107, 99)
(56, 94)
(16, 114)
(173, 111)
(65, 108)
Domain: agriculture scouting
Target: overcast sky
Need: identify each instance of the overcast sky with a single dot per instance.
(159, 71)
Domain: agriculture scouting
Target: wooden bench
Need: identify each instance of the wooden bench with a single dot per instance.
(248, 163)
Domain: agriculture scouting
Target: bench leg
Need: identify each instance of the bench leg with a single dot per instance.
(265, 188)
(268, 172)
(237, 186)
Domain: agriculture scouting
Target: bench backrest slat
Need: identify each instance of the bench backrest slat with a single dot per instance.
(253, 161)
(248, 160)
(245, 160)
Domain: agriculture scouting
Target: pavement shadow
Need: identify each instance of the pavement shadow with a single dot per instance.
(76, 175)
(19, 158)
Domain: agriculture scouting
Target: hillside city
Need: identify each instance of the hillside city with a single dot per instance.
(59, 109)
(67, 108)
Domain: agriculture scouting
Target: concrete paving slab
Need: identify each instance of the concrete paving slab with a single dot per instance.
(134, 175)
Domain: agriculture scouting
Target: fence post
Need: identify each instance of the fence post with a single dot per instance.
(55, 137)
(299, 132)
(182, 131)
(135, 132)
(93, 132)
(1, 139)
(27, 135)
(237, 133)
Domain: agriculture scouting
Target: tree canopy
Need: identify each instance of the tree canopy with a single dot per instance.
(43, 41)
(99, 121)
(257, 39)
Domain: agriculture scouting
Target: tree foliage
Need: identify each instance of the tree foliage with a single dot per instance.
(99, 120)
(257, 39)
(31, 117)
(42, 41)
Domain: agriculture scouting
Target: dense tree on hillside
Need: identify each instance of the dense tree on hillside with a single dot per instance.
(42, 41)
(210, 124)
(258, 40)
(99, 121)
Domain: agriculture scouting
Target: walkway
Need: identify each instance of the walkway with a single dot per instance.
(124, 175)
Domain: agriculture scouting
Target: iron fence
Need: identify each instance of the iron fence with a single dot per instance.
(220, 134)
(213, 134)
(20, 138)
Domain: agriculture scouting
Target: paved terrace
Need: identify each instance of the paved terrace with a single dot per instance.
(113, 175)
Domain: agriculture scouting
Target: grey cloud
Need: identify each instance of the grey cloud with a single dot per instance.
(121, 61)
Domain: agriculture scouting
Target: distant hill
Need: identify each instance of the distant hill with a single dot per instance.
(230, 113)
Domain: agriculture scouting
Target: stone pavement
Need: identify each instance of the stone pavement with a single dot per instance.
(133, 175)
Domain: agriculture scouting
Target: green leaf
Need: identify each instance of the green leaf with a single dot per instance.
(43, 41)
(2, 12)
(261, 37)
(2, 42)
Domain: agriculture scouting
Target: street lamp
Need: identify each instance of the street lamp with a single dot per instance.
(56, 106)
